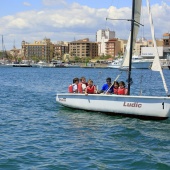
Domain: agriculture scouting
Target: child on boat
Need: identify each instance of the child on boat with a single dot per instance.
(90, 89)
(73, 88)
(115, 87)
(82, 85)
(122, 90)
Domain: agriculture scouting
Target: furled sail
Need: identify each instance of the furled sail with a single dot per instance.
(156, 66)
(138, 4)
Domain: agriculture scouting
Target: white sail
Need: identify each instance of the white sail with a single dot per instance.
(138, 4)
(156, 66)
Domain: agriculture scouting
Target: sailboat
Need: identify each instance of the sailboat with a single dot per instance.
(144, 107)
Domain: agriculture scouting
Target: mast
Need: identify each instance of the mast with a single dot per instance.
(131, 45)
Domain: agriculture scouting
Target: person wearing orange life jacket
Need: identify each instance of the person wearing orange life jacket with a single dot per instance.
(122, 90)
(90, 89)
(82, 85)
(73, 88)
(115, 87)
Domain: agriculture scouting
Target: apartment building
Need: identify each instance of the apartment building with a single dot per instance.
(39, 50)
(59, 50)
(123, 44)
(166, 45)
(103, 36)
(113, 47)
(166, 40)
(83, 48)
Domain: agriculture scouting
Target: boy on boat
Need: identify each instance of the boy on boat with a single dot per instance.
(73, 88)
(107, 87)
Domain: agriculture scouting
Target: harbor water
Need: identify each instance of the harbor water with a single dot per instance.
(39, 134)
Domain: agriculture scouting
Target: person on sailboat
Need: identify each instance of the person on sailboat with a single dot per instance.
(122, 90)
(107, 87)
(82, 85)
(90, 89)
(73, 88)
(115, 87)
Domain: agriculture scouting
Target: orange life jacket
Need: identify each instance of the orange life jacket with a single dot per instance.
(115, 91)
(90, 90)
(70, 88)
(80, 90)
(121, 91)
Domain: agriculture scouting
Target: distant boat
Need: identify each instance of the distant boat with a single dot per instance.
(43, 64)
(71, 65)
(137, 63)
(21, 65)
(4, 64)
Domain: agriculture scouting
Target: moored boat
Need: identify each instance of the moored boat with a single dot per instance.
(71, 65)
(137, 63)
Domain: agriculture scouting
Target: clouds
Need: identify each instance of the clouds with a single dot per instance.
(26, 4)
(75, 21)
(54, 2)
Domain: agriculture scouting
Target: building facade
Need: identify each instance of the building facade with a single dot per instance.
(102, 36)
(59, 50)
(83, 48)
(166, 45)
(166, 40)
(113, 47)
(39, 50)
(149, 52)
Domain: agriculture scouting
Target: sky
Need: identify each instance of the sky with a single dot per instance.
(69, 20)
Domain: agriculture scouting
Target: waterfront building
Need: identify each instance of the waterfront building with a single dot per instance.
(149, 52)
(103, 36)
(16, 54)
(59, 50)
(166, 39)
(145, 48)
(123, 44)
(113, 47)
(39, 50)
(166, 45)
(83, 48)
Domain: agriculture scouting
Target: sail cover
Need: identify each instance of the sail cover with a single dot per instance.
(138, 4)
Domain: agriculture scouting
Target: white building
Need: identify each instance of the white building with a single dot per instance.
(103, 36)
(149, 52)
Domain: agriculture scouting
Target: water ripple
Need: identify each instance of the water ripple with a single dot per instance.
(38, 133)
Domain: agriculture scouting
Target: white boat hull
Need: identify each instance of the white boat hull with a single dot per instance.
(135, 65)
(136, 106)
